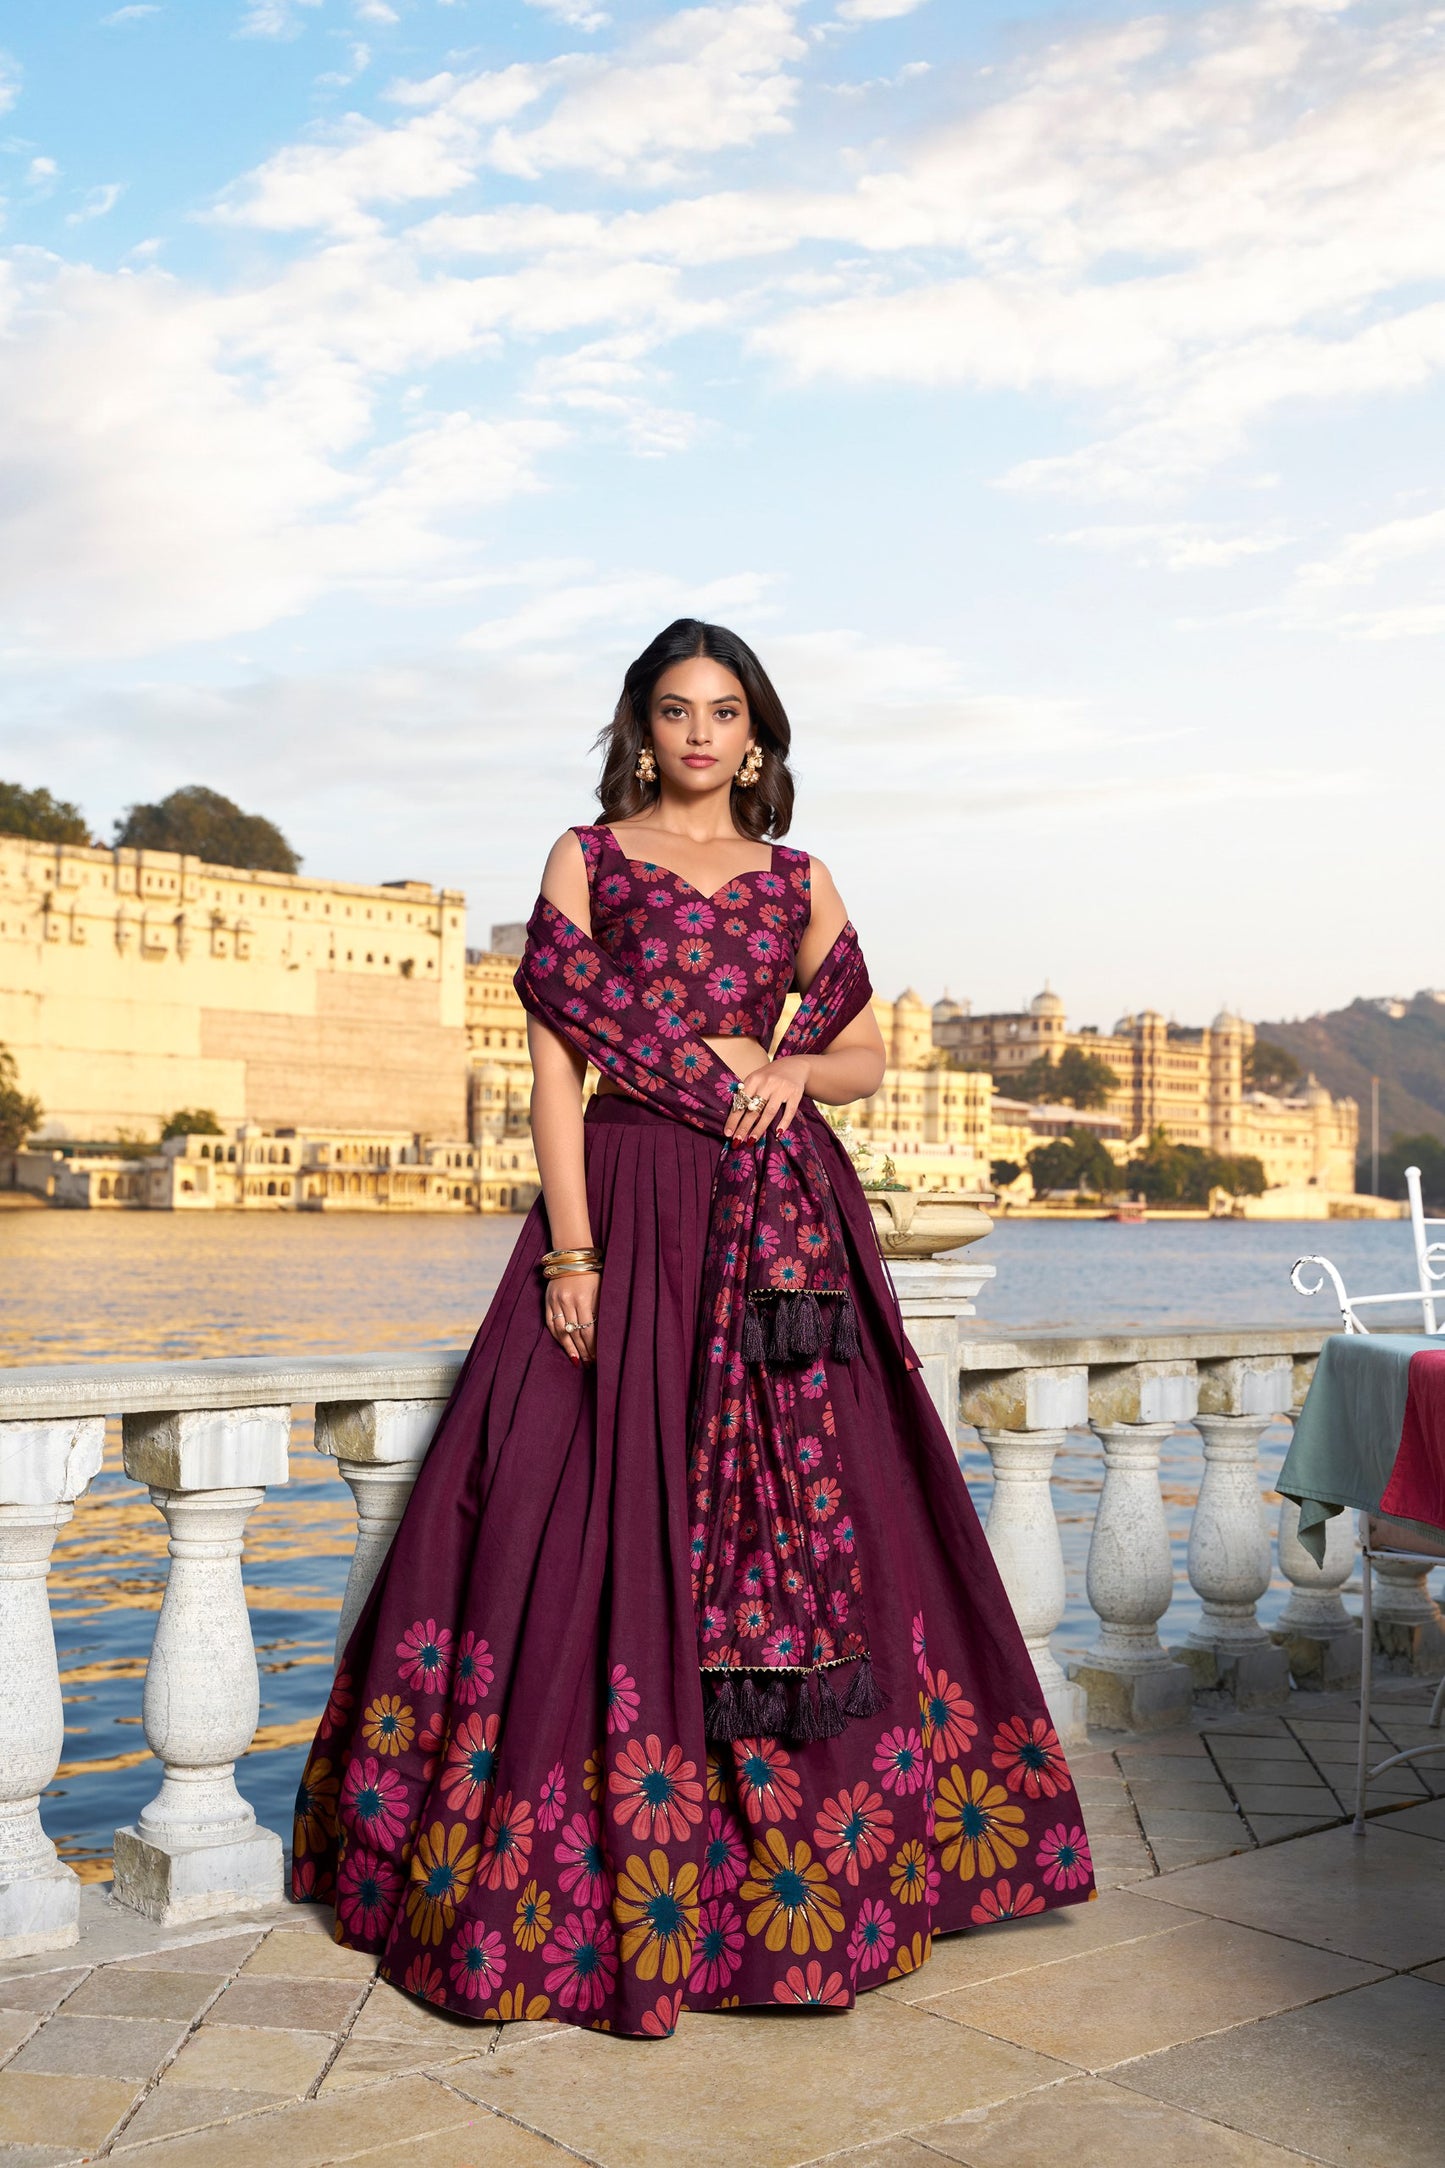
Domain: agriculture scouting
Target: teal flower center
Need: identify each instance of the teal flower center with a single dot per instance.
(790, 1889)
(440, 1882)
(368, 1803)
(664, 1916)
(585, 1960)
(656, 1787)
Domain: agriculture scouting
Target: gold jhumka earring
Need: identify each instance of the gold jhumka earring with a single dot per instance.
(751, 767)
(646, 769)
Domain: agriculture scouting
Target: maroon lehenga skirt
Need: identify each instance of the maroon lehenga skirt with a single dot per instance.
(510, 1798)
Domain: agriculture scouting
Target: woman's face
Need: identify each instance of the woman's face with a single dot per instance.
(699, 725)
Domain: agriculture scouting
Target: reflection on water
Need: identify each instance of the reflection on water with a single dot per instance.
(93, 1287)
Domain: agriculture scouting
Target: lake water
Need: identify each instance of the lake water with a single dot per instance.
(101, 1287)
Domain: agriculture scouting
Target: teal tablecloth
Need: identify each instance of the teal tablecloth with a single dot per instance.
(1348, 1431)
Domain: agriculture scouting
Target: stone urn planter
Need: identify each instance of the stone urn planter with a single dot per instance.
(920, 1223)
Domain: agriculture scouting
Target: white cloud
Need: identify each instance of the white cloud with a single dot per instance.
(98, 203)
(876, 11)
(577, 14)
(1183, 546)
(134, 14)
(9, 82)
(273, 18)
(375, 11)
(41, 175)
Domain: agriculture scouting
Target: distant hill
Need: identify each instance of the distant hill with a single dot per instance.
(1406, 1052)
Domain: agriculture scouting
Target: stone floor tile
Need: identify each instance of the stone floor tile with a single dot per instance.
(1356, 2078)
(1380, 1897)
(1316, 1800)
(769, 2088)
(1143, 1768)
(365, 2062)
(987, 1953)
(243, 2055)
(1244, 1724)
(1427, 1820)
(170, 2109)
(1198, 1794)
(1109, 2005)
(387, 2014)
(1095, 2124)
(1275, 1828)
(314, 2133)
(1432, 1972)
(1298, 1771)
(485, 2141)
(302, 2005)
(893, 2153)
(218, 1953)
(39, 2156)
(40, 1991)
(1170, 1745)
(1120, 1861)
(15, 2026)
(39, 2109)
(129, 1991)
(101, 2047)
(1229, 1748)
(292, 1954)
(1184, 1839)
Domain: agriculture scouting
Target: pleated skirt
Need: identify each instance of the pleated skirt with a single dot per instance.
(511, 1800)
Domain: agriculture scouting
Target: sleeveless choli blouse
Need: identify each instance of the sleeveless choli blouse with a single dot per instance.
(711, 967)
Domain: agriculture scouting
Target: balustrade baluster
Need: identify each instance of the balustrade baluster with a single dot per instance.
(1229, 1548)
(197, 1850)
(378, 1447)
(44, 1468)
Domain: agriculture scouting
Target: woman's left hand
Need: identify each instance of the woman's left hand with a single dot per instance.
(780, 1086)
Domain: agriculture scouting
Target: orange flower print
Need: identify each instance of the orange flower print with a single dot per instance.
(979, 1827)
(793, 1902)
(507, 1842)
(855, 1830)
(809, 1983)
(767, 1783)
(471, 1765)
(1030, 1757)
(658, 1794)
(948, 1724)
(389, 1725)
(1003, 1902)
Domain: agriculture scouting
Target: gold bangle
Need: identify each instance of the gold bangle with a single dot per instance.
(583, 1249)
(562, 1272)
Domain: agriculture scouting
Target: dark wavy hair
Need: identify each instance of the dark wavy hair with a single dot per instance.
(765, 809)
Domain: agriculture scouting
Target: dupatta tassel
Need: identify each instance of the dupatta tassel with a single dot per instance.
(845, 1343)
(722, 1716)
(780, 1330)
(750, 1709)
(819, 1716)
(806, 1329)
(864, 1697)
(773, 1709)
(754, 1348)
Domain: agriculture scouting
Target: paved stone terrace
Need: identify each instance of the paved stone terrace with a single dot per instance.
(1254, 1987)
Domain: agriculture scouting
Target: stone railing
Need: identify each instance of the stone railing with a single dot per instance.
(208, 1439)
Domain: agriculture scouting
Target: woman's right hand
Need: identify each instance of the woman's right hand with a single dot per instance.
(572, 1313)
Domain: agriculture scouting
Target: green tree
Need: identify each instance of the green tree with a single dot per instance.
(20, 1113)
(1078, 1161)
(1270, 1068)
(1077, 1079)
(34, 813)
(205, 825)
(191, 1122)
(1426, 1153)
(1003, 1171)
(1169, 1173)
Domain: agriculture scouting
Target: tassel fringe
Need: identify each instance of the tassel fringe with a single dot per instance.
(864, 1697)
(785, 1706)
(754, 1348)
(795, 1328)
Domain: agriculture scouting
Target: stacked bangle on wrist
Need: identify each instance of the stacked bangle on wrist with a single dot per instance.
(557, 1263)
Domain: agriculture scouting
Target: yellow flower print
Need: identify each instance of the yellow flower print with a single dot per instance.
(388, 1726)
(442, 1868)
(534, 1917)
(908, 1874)
(910, 1956)
(594, 1774)
(517, 2003)
(791, 1897)
(657, 1911)
(979, 1828)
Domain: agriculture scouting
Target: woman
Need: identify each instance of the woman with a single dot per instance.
(689, 1679)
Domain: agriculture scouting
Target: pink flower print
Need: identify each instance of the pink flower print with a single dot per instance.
(578, 1852)
(577, 1009)
(697, 1545)
(373, 1801)
(724, 1855)
(824, 1648)
(479, 1960)
(844, 1535)
(424, 1978)
(583, 1960)
(769, 884)
(874, 1934)
(552, 1799)
(753, 1619)
(783, 1649)
(425, 1654)
(728, 983)
(714, 1623)
(765, 946)
(789, 1274)
(693, 955)
(648, 1051)
(822, 1498)
(668, 999)
(613, 887)
(766, 1240)
(474, 1669)
(814, 1382)
(580, 971)
(368, 1891)
(623, 1699)
(758, 1572)
(838, 1606)
(695, 917)
(809, 1453)
(1064, 1857)
(899, 1760)
(653, 954)
(617, 994)
(718, 1950)
(544, 961)
(920, 1642)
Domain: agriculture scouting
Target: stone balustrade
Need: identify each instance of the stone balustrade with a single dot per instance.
(207, 1439)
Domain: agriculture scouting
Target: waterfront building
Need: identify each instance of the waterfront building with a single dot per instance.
(256, 1169)
(135, 982)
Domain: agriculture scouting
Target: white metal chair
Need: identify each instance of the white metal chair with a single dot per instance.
(1428, 1292)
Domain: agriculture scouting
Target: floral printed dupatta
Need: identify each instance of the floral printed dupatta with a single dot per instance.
(777, 1586)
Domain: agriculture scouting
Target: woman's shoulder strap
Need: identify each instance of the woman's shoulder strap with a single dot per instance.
(796, 867)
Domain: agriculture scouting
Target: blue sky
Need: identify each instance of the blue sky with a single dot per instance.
(1051, 394)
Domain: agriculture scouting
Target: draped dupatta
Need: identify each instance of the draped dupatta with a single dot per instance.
(777, 1585)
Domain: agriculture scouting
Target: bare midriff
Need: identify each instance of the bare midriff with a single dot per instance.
(739, 1055)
